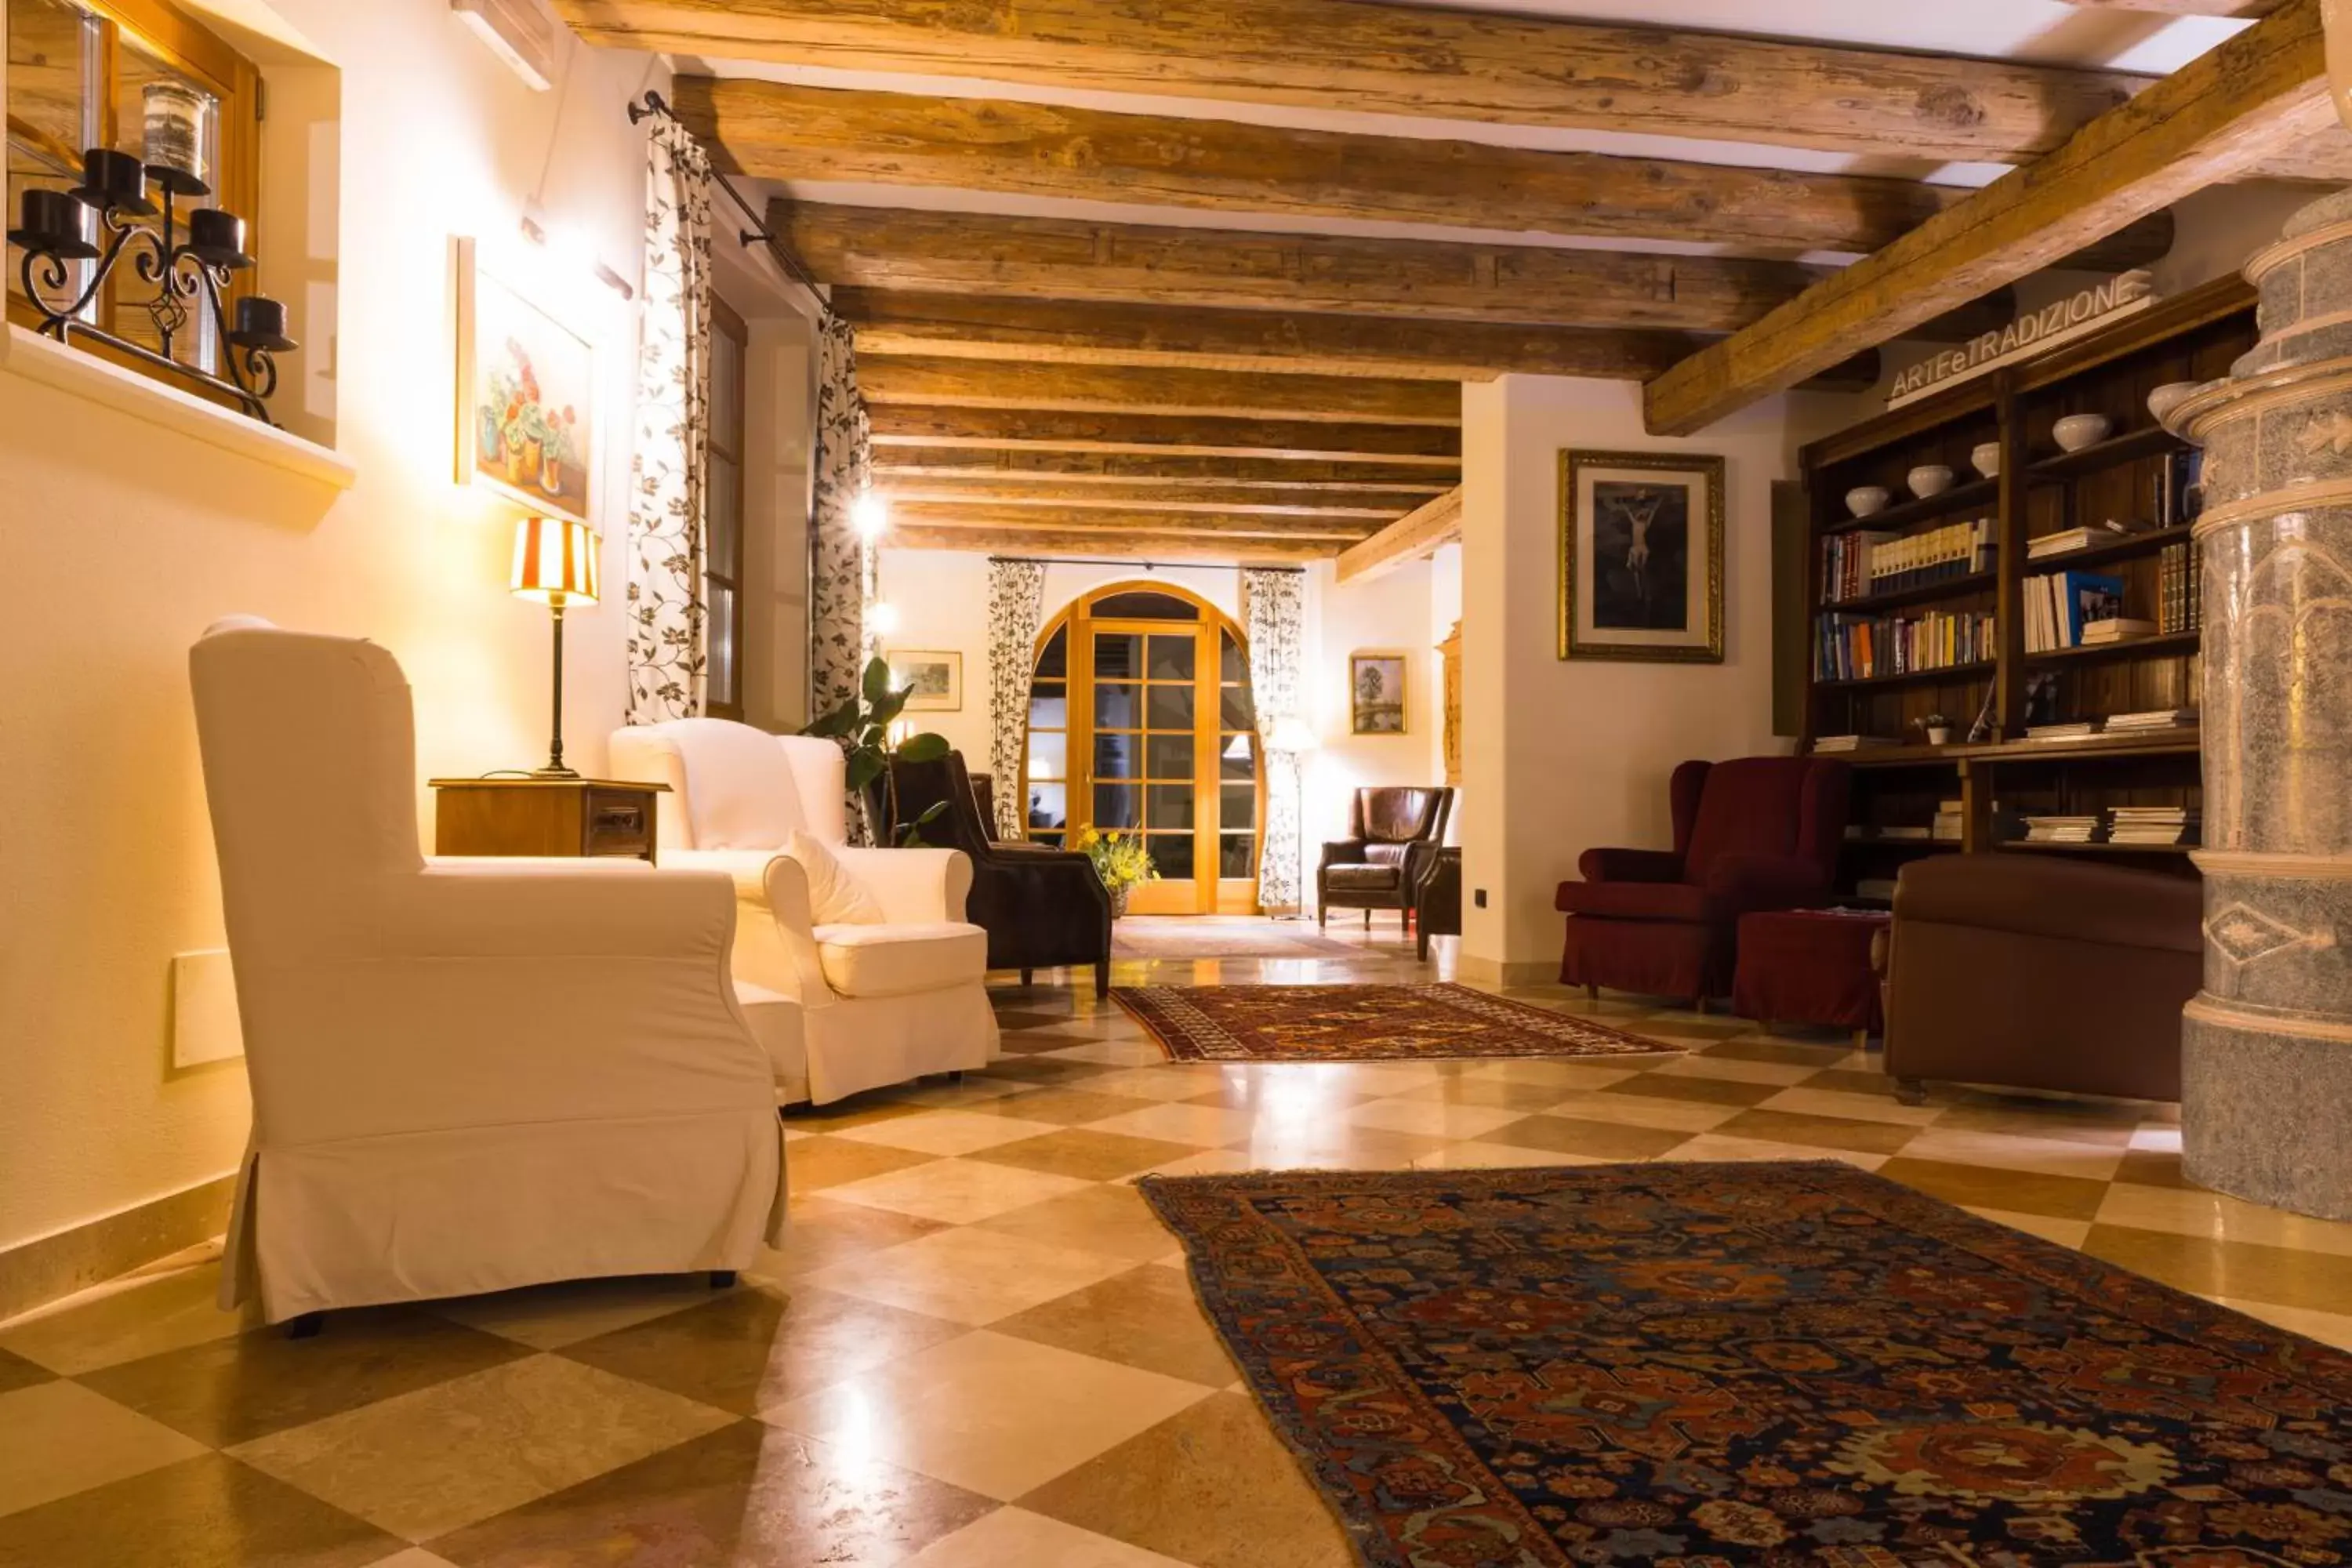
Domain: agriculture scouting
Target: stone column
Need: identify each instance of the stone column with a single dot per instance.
(2266, 1046)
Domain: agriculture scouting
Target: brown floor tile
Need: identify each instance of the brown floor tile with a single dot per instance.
(1112, 1219)
(1987, 1186)
(857, 1111)
(1010, 1019)
(752, 1347)
(747, 1495)
(1036, 1043)
(1706, 1090)
(825, 1231)
(1077, 1151)
(1599, 1139)
(813, 1164)
(1063, 1107)
(1146, 1317)
(2028, 1116)
(2319, 1282)
(15, 1373)
(209, 1511)
(1050, 1071)
(140, 1317)
(2154, 1168)
(1211, 1485)
(1852, 1080)
(1819, 1131)
(1501, 1094)
(1793, 1053)
(232, 1391)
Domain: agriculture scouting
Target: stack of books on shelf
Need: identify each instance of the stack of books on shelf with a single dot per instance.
(2063, 829)
(2067, 540)
(2114, 629)
(1858, 648)
(2179, 587)
(2153, 719)
(2181, 488)
(2060, 606)
(2155, 824)
(1856, 565)
(1947, 821)
(2073, 731)
(1825, 744)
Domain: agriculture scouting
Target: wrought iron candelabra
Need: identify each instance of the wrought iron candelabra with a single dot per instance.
(185, 270)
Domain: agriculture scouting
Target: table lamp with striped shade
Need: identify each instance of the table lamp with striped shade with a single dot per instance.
(555, 563)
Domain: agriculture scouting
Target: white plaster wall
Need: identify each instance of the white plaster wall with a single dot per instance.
(1388, 614)
(1560, 755)
(123, 542)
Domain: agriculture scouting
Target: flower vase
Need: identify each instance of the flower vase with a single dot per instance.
(522, 462)
(550, 475)
(1119, 901)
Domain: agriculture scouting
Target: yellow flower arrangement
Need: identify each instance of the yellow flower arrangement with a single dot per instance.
(1120, 860)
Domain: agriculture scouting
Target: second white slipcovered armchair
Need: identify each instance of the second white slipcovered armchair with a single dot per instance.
(891, 991)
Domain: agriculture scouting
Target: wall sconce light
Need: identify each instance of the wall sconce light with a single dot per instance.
(882, 618)
(574, 252)
(869, 514)
(55, 234)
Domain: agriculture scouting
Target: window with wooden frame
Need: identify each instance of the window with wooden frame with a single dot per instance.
(78, 75)
(722, 517)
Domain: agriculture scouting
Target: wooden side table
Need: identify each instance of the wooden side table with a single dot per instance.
(545, 817)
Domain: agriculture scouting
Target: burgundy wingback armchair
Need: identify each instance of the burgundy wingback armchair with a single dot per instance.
(1757, 832)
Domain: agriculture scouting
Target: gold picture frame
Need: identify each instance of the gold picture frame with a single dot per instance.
(1641, 556)
(529, 398)
(1376, 693)
(933, 679)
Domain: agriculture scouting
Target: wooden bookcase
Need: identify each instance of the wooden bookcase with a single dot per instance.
(2039, 490)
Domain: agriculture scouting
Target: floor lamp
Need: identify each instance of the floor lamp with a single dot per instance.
(1289, 738)
(555, 563)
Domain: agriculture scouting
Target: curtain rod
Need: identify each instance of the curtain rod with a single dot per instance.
(1146, 565)
(759, 233)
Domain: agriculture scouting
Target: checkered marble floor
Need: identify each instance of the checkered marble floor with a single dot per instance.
(979, 1351)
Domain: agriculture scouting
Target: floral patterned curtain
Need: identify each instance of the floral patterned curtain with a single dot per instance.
(1016, 602)
(666, 461)
(843, 571)
(1270, 618)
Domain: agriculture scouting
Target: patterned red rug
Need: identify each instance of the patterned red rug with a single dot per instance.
(1362, 1023)
(1780, 1363)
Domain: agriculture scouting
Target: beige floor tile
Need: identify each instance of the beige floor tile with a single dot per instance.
(1739, 1070)
(1202, 1126)
(1212, 1486)
(1473, 1154)
(2241, 1270)
(989, 1413)
(1117, 1053)
(2328, 1328)
(1066, 1106)
(970, 1275)
(1215, 1162)
(1726, 1093)
(209, 1511)
(414, 1557)
(814, 1164)
(1015, 1538)
(1431, 1118)
(1759, 1047)
(1568, 1077)
(2157, 1138)
(2046, 1156)
(1087, 1153)
(1329, 1148)
(429, 1462)
(1852, 1107)
(1167, 1081)
(16, 1372)
(2064, 1232)
(824, 1231)
(1638, 1111)
(2193, 1210)
(1112, 1219)
(143, 1318)
(1821, 1131)
(1988, 1186)
(955, 1191)
(1717, 1146)
(947, 1131)
(546, 1316)
(2110, 1125)
(1588, 1140)
(1146, 1317)
(57, 1439)
(973, 1091)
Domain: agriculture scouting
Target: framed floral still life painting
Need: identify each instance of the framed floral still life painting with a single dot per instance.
(525, 398)
(1641, 556)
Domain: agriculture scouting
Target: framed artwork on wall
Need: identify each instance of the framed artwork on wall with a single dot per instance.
(1641, 556)
(1376, 693)
(527, 403)
(936, 680)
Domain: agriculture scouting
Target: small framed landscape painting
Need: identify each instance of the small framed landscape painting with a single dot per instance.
(525, 398)
(1376, 692)
(1641, 556)
(936, 680)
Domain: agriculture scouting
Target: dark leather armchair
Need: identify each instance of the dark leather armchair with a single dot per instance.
(2038, 972)
(1391, 833)
(1041, 907)
(1757, 832)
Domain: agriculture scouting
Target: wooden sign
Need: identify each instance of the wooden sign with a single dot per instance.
(2029, 335)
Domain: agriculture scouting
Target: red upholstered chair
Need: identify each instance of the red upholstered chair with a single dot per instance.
(1757, 833)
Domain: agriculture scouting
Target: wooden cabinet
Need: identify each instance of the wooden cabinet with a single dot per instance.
(545, 817)
(1450, 651)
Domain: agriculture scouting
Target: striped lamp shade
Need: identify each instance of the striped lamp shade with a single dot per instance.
(554, 561)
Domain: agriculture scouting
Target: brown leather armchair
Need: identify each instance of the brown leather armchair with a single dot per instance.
(1041, 907)
(2034, 971)
(1392, 830)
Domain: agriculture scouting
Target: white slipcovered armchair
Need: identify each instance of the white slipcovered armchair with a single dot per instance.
(467, 1075)
(881, 1002)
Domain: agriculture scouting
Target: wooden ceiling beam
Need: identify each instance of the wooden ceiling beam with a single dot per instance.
(948, 382)
(1063, 259)
(1305, 501)
(786, 132)
(1461, 65)
(1085, 520)
(1114, 471)
(1138, 546)
(2264, 88)
(1415, 536)
(1085, 332)
(898, 424)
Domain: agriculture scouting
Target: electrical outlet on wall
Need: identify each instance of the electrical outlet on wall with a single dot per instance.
(1479, 897)
(204, 1024)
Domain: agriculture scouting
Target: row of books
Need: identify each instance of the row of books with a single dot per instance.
(1860, 648)
(2145, 722)
(2179, 588)
(2157, 825)
(1857, 565)
(2060, 606)
(2062, 830)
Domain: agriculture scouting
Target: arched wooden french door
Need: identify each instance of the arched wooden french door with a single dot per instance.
(1140, 719)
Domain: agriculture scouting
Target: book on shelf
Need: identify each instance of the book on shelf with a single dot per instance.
(2180, 488)
(1862, 647)
(2152, 719)
(2179, 582)
(2117, 628)
(2059, 605)
(1867, 562)
(1823, 744)
(2063, 829)
(2078, 729)
(2066, 540)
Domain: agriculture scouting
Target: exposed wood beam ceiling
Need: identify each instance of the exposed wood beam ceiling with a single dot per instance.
(1246, 372)
(2264, 88)
(1413, 537)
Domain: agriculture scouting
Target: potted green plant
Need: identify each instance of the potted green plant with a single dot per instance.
(1121, 860)
(862, 725)
(1938, 729)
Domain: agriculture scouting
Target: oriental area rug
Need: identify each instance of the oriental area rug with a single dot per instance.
(1772, 1364)
(1362, 1023)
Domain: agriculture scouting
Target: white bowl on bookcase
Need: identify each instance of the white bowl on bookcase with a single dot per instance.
(1986, 460)
(1928, 479)
(1866, 500)
(2077, 431)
